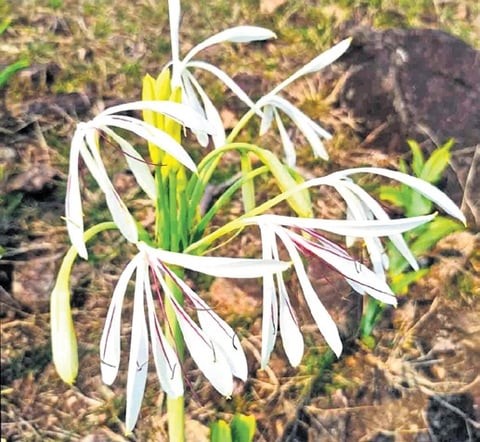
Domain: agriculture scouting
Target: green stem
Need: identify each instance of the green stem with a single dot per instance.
(175, 406)
(239, 126)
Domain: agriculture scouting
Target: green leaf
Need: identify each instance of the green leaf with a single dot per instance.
(400, 283)
(435, 231)
(4, 24)
(220, 432)
(395, 196)
(437, 163)
(10, 70)
(418, 205)
(417, 157)
(243, 428)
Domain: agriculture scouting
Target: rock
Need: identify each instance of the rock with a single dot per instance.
(422, 84)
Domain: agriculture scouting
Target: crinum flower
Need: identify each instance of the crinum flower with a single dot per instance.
(212, 343)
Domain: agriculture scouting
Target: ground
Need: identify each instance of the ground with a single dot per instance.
(418, 377)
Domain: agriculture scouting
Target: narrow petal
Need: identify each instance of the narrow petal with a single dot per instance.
(223, 77)
(137, 165)
(345, 227)
(218, 331)
(73, 199)
(322, 318)
(304, 124)
(110, 340)
(292, 338)
(266, 120)
(351, 269)
(212, 114)
(270, 304)
(174, 20)
(176, 111)
(152, 134)
(138, 361)
(238, 34)
(289, 149)
(218, 266)
(207, 356)
(423, 187)
(397, 239)
(169, 370)
(189, 98)
(319, 62)
(120, 214)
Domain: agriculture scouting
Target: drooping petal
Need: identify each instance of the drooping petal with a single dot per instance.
(179, 112)
(237, 34)
(138, 361)
(266, 120)
(209, 358)
(218, 266)
(351, 269)
(288, 147)
(169, 370)
(73, 199)
(270, 304)
(319, 62)
(137, 165)
(120, 214)
(152, 134)
(377, 210)
(110, 340)
(423, 187)
(305, 124)
(211, 113)
(218, 331)
(222, 76)
(292, 338)
(322, 318)
(345, 227)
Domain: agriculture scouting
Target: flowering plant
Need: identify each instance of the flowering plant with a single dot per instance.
(183, 232)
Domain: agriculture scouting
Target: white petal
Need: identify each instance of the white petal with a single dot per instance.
(73, 199)
(152, 134)
(292, 338)
(174, 20)
(270, 304)
(266, 120)
(218, 266)
(120, 214)
(345, 227)
(137, 165)
(322, 318)
(304, 124)
(110, 341)
(212, 114)
(352, 270)
(138, 361)
(290, 155)
(318, 63)
(218, 331)
(397, 239)
(207, 356)
(177, 111)
(222, 76)
(424, 188)
(169, 369)
(238, 34)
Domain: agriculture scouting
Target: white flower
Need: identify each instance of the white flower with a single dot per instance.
(191, 89)
(277, 310)
(85, 144)
(213, 345)
(271, 103)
